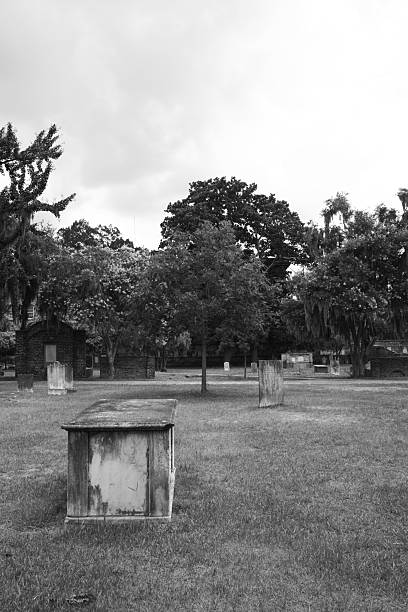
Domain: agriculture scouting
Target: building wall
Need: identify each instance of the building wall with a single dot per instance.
(79, 353)
(30, 348)
(388, 367)
(129, 367)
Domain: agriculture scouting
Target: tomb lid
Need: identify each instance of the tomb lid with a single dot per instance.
(126, 414)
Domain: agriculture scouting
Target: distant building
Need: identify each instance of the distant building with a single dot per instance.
(400, 347)
(297, 362)
(388, 359)
(43, 342)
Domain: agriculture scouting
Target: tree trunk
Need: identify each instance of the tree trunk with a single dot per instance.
(245, 366)
(204, 366)
(254, 354)
(359, 345)
(357, 363)
(111, 364)
(111, 348)
(163, 360)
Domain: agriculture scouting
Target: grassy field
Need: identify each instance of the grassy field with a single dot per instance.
(304, 507)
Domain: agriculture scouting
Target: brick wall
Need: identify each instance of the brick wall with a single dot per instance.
(129, 367)
(79, 353)
(387, 367)
(30, 348)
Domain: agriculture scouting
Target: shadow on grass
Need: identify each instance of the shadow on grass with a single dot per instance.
(189, 394)
(41, 503)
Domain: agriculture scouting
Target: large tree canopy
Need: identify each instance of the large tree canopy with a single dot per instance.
(96, 288)
(28, 171)
(26, 268)
(216, 292)
(81, 234)
(262, 224)
(353, 289)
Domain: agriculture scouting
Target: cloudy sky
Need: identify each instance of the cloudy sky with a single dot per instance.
(303, 97)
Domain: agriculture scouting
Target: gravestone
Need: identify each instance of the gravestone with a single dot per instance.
(25, 383)
(56, 378)
(270, 383)
(226, 366)
(69, 379)
(254, 367)
(121, 461)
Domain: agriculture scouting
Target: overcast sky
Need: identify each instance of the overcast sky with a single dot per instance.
(303, 97)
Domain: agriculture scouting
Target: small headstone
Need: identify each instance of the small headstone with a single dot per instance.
(334, 367)
(56, 378)
(270, 383)
(25, 383)
(69, 379)
(226, 366)
(254, 367)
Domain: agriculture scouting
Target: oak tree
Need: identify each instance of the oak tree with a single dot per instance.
(353, 289)
(81, 234)
(216, 292)
(262, 225)
(95, 288)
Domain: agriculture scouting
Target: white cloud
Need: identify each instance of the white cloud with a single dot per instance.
(304, 98)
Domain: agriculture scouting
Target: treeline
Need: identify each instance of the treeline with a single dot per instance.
(235, 270)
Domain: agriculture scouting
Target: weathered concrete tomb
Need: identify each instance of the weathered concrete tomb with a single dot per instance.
(121, 461)
(43, 343)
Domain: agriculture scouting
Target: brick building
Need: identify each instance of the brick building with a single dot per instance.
(389, 366)
(129, 367)
(388, 359)
(43, 342)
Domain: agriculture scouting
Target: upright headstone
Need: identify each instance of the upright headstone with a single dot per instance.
(254, 367)
(56, 378)
(270, 383)
(25, 383)
(334, 367)
(69, 379)
(226, 366)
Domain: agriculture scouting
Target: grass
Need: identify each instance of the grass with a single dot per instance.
(303, 507)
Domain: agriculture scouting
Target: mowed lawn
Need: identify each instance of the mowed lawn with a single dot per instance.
(301, 507)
